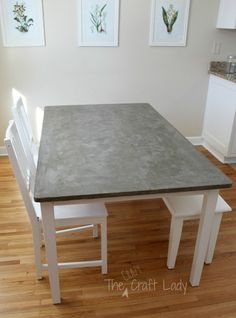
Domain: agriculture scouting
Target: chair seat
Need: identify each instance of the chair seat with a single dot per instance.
(191, 205)
(77, 211)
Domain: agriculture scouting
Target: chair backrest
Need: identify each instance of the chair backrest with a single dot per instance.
(25, 132)
(21, 170)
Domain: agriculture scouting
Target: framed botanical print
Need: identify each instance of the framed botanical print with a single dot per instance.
(22, 23)
(169, 22)
(98, 22)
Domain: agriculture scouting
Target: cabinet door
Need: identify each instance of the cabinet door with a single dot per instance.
(220, 114)
(227, 15)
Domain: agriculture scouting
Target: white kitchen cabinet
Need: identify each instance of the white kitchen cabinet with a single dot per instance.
(219, 130)
(227, 15)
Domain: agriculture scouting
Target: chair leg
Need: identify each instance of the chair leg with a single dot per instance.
(95, 230)
(104, 246)
(36, 232)
(174, 240)
(213, 238)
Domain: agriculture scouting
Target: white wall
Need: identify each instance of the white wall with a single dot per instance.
(4, 102)
(172, 79)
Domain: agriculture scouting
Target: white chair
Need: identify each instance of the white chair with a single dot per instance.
(183, 208)
(65, 216)
(24, 129)
(29, 145)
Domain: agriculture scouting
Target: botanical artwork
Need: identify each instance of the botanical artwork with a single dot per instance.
(98, 18)
(98, 22)
(169, 22)
(169, 17)
(23, 22)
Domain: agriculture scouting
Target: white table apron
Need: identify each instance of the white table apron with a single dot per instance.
(203, 235)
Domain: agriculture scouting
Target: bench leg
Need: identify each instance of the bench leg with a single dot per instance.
(174, 240)
(213, 238)
(104, 246)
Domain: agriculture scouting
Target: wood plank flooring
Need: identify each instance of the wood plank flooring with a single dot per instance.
(137, 249)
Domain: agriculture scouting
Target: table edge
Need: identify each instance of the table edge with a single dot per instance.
(130, 194)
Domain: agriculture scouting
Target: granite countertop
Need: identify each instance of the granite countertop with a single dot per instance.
(218, 68)
(100, 151)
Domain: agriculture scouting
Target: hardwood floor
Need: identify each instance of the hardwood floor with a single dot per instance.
(137, 249)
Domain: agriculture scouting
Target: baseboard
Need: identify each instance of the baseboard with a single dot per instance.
(200, 141)
(218, 155)
(3, 151)
(196, 141)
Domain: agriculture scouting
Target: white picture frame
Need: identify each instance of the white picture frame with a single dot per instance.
(169, 22)
(98, 22)
(22, 23)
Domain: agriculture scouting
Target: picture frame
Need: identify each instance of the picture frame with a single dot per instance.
(98, 22)
(22, 23)
(169, 22)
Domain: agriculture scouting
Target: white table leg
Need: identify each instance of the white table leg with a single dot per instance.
(51, 249)
(203, 236)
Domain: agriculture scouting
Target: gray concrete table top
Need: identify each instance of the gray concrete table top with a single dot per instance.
(98, 151)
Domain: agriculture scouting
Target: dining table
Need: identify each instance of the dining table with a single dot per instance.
(116, 152)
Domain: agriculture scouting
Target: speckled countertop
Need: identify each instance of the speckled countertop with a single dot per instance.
(219, 69)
